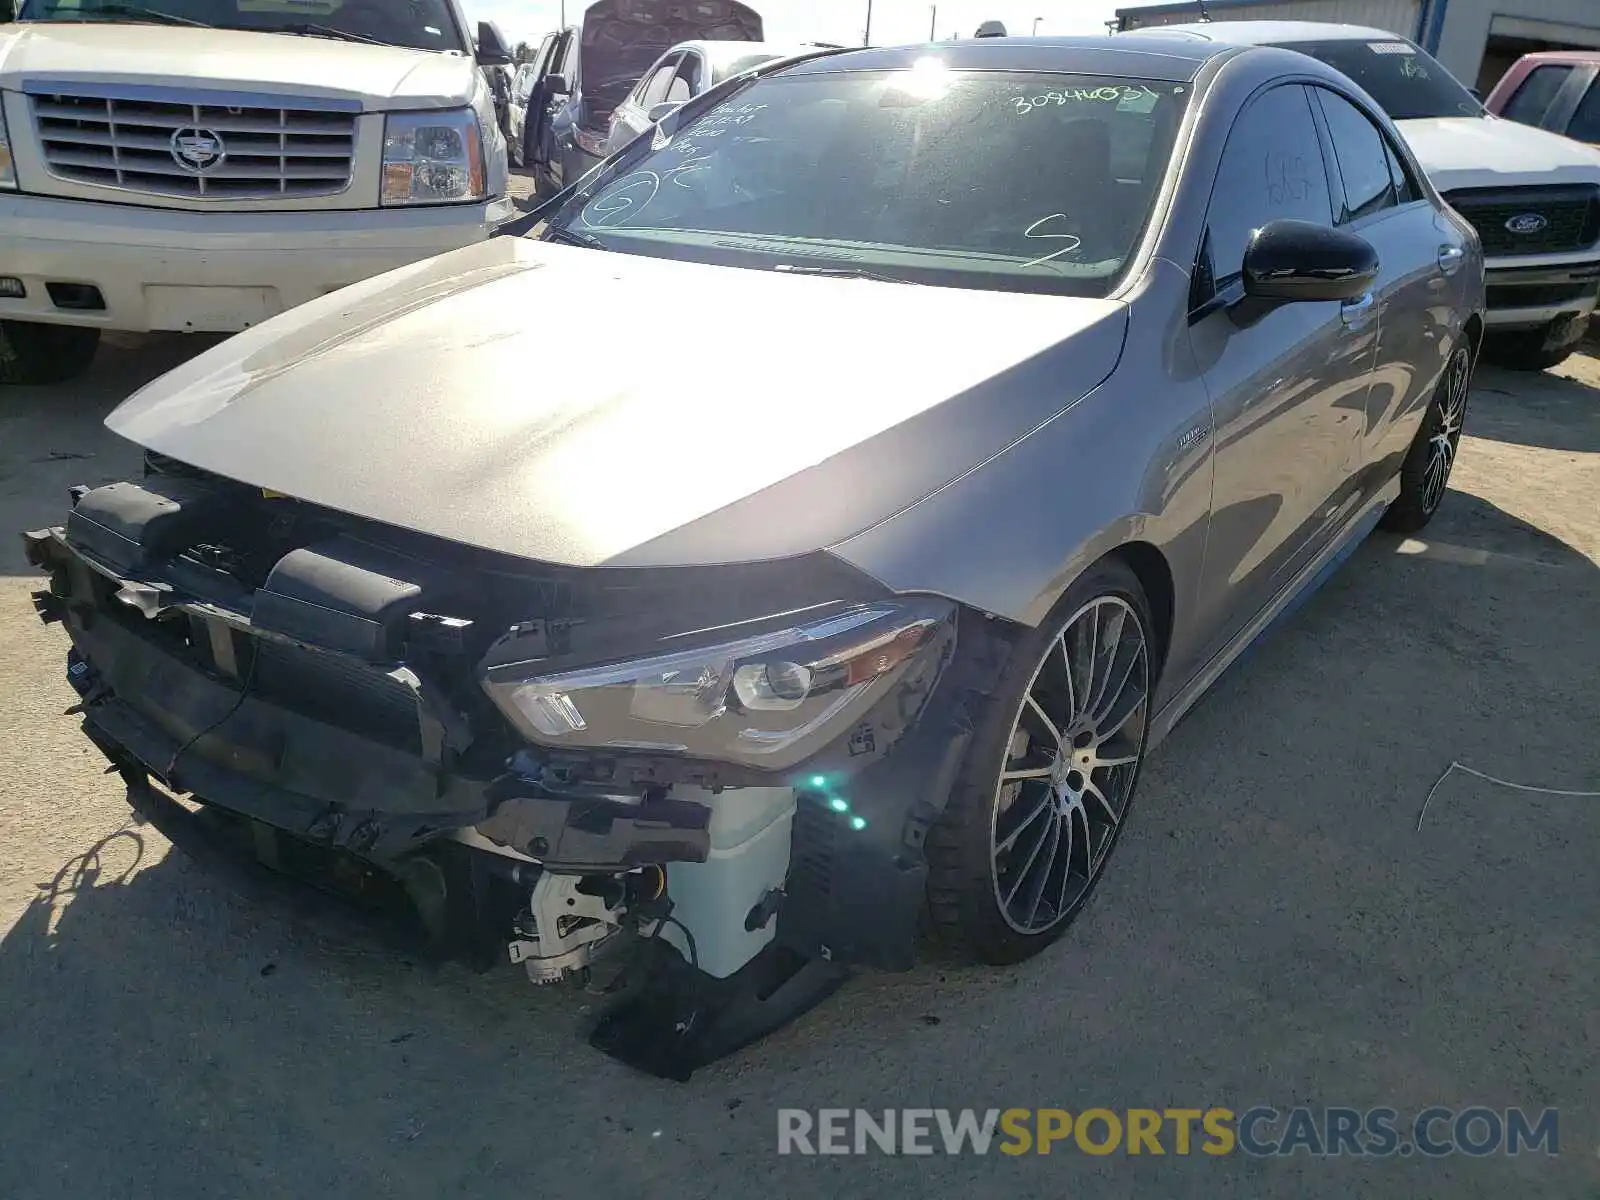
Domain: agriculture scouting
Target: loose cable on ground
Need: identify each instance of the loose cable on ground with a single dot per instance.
(1521, 787)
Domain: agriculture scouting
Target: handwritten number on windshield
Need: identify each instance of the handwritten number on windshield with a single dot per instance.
(1070, 241)
(625, 199)
(1112, 94)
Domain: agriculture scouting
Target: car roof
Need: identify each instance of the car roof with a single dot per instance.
(1271, 33)
(1561, 56)
(1125, 54)
(721, 52)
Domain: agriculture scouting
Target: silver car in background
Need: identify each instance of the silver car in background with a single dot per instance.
(681, 74)
(995, 397)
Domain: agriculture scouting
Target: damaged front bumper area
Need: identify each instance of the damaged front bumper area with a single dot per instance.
(354, 701)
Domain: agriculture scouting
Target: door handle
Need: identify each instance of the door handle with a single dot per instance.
(1354, 313)
(1450, 259)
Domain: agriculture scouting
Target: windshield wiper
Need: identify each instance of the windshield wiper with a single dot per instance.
(309, 29)
(145, 14)
(572, 237)
(839, 272)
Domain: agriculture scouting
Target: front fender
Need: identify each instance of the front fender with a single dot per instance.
(1129, 462)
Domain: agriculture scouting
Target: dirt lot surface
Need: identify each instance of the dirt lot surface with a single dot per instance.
(1275, 930)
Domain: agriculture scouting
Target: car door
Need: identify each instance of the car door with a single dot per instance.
(1377, 197)
(550, 94)
(632, 115)
(1288, 381)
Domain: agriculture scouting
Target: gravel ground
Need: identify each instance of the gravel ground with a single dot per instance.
(1275, 929)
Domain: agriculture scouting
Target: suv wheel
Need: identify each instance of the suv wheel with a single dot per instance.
(32, 353)
(1535, 349)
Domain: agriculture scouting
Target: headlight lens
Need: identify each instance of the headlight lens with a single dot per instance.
(8, 168)
(432, 158)
(767, 700)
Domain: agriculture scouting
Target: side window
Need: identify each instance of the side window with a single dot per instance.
(565, 57)
(1363, 158)
(541, 61)
(1405, 188)
(1585, 125)
(679, 91)
(655, 87)
(687, 85)
(1271, 170)
(1538, 91)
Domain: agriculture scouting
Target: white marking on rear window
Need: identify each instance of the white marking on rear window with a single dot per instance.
(1390, 48)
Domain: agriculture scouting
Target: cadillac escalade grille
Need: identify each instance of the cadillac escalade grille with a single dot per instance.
(1530, 220)
(168, 146)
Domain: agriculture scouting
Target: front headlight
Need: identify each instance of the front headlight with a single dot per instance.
(432, 157)
(768, 700)
(8, 168)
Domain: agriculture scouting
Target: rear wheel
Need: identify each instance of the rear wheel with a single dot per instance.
(1047, 783)
(1535, 349)
(1425, 474)
(34, 353)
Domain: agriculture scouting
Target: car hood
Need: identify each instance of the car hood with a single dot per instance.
(722, 415)
(1480, 152)
(174, 57)
(621, 38)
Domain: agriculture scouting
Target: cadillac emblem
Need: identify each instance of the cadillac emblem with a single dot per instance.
(197, 150)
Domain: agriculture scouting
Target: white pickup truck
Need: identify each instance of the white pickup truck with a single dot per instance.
(202, 165)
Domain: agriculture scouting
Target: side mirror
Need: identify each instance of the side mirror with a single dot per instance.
(660, 112)
(1301, 260)
(492, 51)
(557, 84)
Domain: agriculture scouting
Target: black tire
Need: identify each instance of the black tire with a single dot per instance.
(1425, 474)
(34, 353)
(966, 908)
(1533, 349)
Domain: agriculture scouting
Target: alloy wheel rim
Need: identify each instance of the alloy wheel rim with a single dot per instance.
(1451, 406)
(1069, 765)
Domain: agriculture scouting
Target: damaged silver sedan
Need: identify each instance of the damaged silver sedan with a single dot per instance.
(969, 412)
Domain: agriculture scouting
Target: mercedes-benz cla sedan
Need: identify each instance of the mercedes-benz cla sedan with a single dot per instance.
(964, 413)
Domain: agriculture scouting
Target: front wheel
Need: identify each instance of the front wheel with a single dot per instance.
(1047, 782)
(1425, 474)
(34, 353)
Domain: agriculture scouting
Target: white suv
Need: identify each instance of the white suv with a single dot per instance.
(1533, 196)
(205, 164)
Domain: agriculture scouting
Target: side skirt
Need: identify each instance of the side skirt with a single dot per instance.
(1299, 589)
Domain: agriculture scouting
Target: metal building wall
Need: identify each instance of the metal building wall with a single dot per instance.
(1400, 16)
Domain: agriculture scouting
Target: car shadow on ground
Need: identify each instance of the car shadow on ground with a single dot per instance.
(1275, 930)
(1548, 409)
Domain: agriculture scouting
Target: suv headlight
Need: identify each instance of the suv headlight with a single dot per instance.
(432, 157)
(768, 700)
(8, 167)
